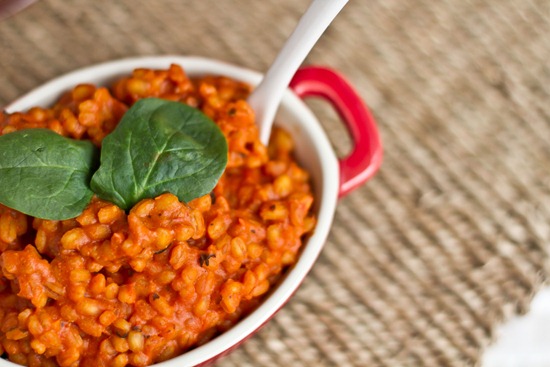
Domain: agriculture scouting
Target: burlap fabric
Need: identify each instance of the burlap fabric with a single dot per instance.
(451, 237)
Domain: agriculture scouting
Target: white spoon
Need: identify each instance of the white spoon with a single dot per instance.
(265, 99)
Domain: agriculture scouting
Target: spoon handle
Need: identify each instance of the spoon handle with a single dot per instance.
(265, 99)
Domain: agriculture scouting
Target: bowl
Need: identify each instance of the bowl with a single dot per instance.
(332, 177)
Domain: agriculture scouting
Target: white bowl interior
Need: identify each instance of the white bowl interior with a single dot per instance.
(313, 151)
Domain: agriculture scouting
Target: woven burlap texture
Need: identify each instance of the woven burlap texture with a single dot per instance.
(451, 237)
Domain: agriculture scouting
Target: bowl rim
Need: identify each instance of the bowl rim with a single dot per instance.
(101, 73)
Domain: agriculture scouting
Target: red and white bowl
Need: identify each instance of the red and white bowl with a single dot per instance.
(332, 177)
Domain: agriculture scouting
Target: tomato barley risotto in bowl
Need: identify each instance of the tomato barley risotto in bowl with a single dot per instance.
(143, 222)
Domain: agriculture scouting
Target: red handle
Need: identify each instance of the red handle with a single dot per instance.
(366, 155)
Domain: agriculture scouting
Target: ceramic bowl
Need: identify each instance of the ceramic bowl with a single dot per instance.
(332, 177)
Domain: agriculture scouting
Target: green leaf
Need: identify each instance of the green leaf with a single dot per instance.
(160, 146)
(44, 174)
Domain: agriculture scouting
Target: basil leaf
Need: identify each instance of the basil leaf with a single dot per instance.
(160, 146)
(44, 174)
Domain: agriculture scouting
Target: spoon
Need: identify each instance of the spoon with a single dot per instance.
(265, 99)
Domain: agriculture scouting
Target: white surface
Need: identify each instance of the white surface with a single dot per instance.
(523, 341)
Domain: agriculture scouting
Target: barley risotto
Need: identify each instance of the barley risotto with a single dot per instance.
(118, 286)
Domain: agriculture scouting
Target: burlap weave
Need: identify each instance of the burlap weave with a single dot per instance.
(451, 237)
